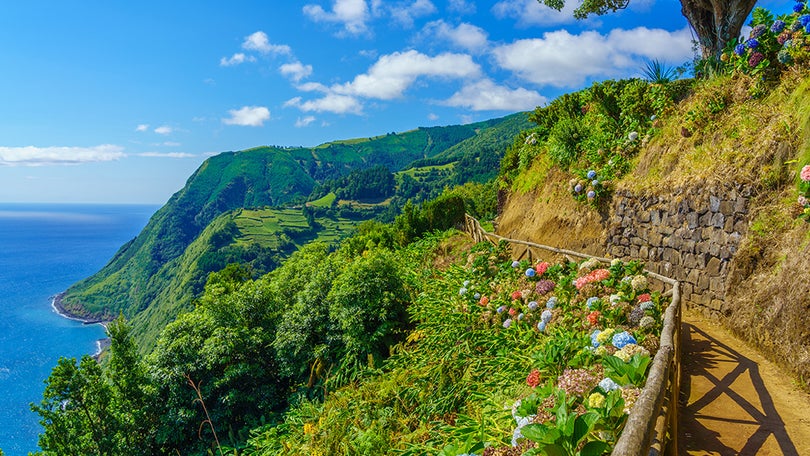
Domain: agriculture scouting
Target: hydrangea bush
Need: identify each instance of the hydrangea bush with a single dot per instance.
(804, 193)
(773, 43)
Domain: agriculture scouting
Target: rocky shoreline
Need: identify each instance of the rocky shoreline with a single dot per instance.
(57, 306)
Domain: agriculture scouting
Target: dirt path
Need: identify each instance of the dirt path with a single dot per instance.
(734, 402)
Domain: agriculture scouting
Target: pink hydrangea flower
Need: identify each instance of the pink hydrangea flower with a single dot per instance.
(805, 174)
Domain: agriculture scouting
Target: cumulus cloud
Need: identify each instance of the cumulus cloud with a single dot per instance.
(332, 102)
(258, 41)
(142, 127)
(248, 116)
(351, 14)
(532, 12)
(236, 59)
(392, 74)
(304, 121)
(405, 13)
(465, 36)
(562, 59)
(388, 78)
(485, 95)
(164, 130)
(41, 156)
(167, 155)
(295, 70)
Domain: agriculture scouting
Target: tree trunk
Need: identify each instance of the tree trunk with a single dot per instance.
(716, 22)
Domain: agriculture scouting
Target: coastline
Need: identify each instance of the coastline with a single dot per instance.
(101, 344)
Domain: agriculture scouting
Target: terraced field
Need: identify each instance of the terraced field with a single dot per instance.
(265, 226)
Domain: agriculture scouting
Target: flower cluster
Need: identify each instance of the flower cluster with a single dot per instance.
(588, 187)
(804, 193)
(773, 44)
(597, 275)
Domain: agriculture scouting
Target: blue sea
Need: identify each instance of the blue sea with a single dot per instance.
(43, 250)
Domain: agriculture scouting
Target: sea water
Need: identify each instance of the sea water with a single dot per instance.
(43, 250)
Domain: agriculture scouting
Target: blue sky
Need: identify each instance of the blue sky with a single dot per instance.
(119, 102)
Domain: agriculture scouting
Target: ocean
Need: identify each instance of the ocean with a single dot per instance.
(45, 248)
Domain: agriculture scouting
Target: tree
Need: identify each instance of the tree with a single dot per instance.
(715, 22)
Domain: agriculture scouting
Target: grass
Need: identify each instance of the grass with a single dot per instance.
(325, 201)
(265, 225)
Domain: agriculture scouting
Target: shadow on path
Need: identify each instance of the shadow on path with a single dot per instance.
(725, 406)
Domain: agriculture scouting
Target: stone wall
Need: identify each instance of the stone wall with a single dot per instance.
(690, 235)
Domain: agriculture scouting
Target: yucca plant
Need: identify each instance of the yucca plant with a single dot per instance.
(658, 72)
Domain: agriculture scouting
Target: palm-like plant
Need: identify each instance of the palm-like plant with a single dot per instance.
(658, 72)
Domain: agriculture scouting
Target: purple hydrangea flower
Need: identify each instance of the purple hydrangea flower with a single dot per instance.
(591, 194)
(591, 174)
(777, 26)
(757, 31)
(507, 323)
(533, 305)
(544, 286)
(621, 339)
(796, 25)
(515, 263)
(739, 49)
(755, 59)
(578, 188)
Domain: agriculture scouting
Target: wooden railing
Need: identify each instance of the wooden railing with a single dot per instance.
(652, 427)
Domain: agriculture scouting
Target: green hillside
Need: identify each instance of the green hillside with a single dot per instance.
(154, 276)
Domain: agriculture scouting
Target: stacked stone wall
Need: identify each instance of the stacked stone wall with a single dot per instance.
(690, 235)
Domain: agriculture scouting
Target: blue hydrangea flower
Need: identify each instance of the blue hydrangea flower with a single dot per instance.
(521, 316)
(507, 323)
(798, 7)
(796, 25)
(804, 19)
(777, 26)
(806, 28)
(578, 188)
(533, 305)
(646, 305)
(739, 49)
(594, 335)
(784, 57)
(752, 43)
(541, 326)
(757, 31)
(591, 174)
(607, 384)
(500, 309)
(515, 263)
(621, 339)
(462, 291)
(591, 194)
(530, 272)
(546, 316)
(552, 301)
(477, 296)
(591, 301)
(594, 182)
(466, 283)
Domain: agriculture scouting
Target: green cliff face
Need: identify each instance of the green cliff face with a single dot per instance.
(157, 275)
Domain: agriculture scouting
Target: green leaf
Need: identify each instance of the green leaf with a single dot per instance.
(595, 448)
(582, 426)
(554, 450)
(539, 433)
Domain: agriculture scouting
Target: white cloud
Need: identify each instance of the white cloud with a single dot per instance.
(142, 127)
(332, 102)
(236, 59)
(258, 41)
(167, 155)
(394, 73)
(564, 60)
(433, 116)
(41, 156)
(485, 95)
(248, 116)
(406, 13)
(304, 121)
(532, 12)
(465, 36)
(296, 70)
(164, 130)
(352, 14)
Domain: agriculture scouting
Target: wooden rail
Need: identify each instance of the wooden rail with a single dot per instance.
(652, 427)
